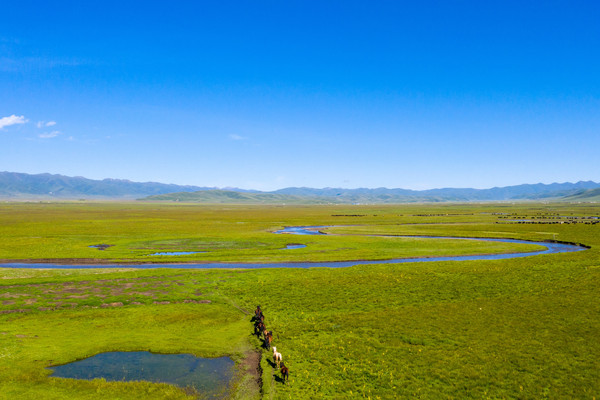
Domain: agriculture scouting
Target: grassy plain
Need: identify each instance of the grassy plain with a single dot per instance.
(519, 328)
(65, 231)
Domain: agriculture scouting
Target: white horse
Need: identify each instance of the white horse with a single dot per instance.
(276, 356)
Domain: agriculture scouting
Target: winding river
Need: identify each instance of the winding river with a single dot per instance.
(550, 248)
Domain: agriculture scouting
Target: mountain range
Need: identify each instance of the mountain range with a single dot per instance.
(15, 185)
(19, 185)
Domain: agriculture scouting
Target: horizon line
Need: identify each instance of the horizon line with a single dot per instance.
(233, 188)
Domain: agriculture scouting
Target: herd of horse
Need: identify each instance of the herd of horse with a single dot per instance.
(267, 336)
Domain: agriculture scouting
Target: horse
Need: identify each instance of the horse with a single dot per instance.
(259, 328)
(268, 338)
(265, 332)
(277, 357)
(285, 373)
(258, 318)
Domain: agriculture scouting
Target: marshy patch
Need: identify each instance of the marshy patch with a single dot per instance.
(209, 377)
(103, 293)
(101, 246)
(175, 253)
(292, 246)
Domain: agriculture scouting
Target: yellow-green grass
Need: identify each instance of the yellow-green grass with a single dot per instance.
(63, 231)
(61, 322)
(519, 328)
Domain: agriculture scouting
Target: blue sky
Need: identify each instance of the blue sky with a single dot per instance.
(266, 95)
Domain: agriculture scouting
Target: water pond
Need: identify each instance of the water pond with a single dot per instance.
(294, 246)
(208, 376)
(302, 230)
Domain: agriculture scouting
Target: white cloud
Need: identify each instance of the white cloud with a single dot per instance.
(42, 124)
(12, 120)
(236, 137)
(50, 135)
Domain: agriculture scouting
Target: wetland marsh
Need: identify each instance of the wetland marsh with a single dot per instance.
(522, 327)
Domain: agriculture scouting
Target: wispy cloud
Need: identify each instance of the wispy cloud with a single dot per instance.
(8, 64)
(12, 120)
(49, 135)
(42, 124)
(236, 137)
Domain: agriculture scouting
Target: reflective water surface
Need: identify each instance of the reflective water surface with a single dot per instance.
(294, 246)
(209, 376)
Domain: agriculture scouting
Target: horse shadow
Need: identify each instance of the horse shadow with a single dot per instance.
(271, 363)
(279, 379)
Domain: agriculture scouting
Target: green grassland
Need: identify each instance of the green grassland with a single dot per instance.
(518, 328)
(66, 231)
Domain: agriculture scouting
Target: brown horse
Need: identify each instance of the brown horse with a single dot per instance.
(258, 314)
(268, 339)
(258, 318)
(259, 328)
(285, 373)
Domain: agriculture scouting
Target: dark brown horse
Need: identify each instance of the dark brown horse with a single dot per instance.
(285, 373)
(268, 339)
(259, 328)
(258, 318)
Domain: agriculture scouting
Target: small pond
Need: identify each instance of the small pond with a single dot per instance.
(209, 376)
(294, 246)
(302, 230)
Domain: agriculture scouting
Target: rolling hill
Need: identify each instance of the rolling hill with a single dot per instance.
(229, 196)
(584, 195)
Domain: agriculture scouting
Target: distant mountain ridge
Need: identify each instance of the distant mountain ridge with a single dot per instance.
(20, 185)
(555, 191)
(518, 192)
